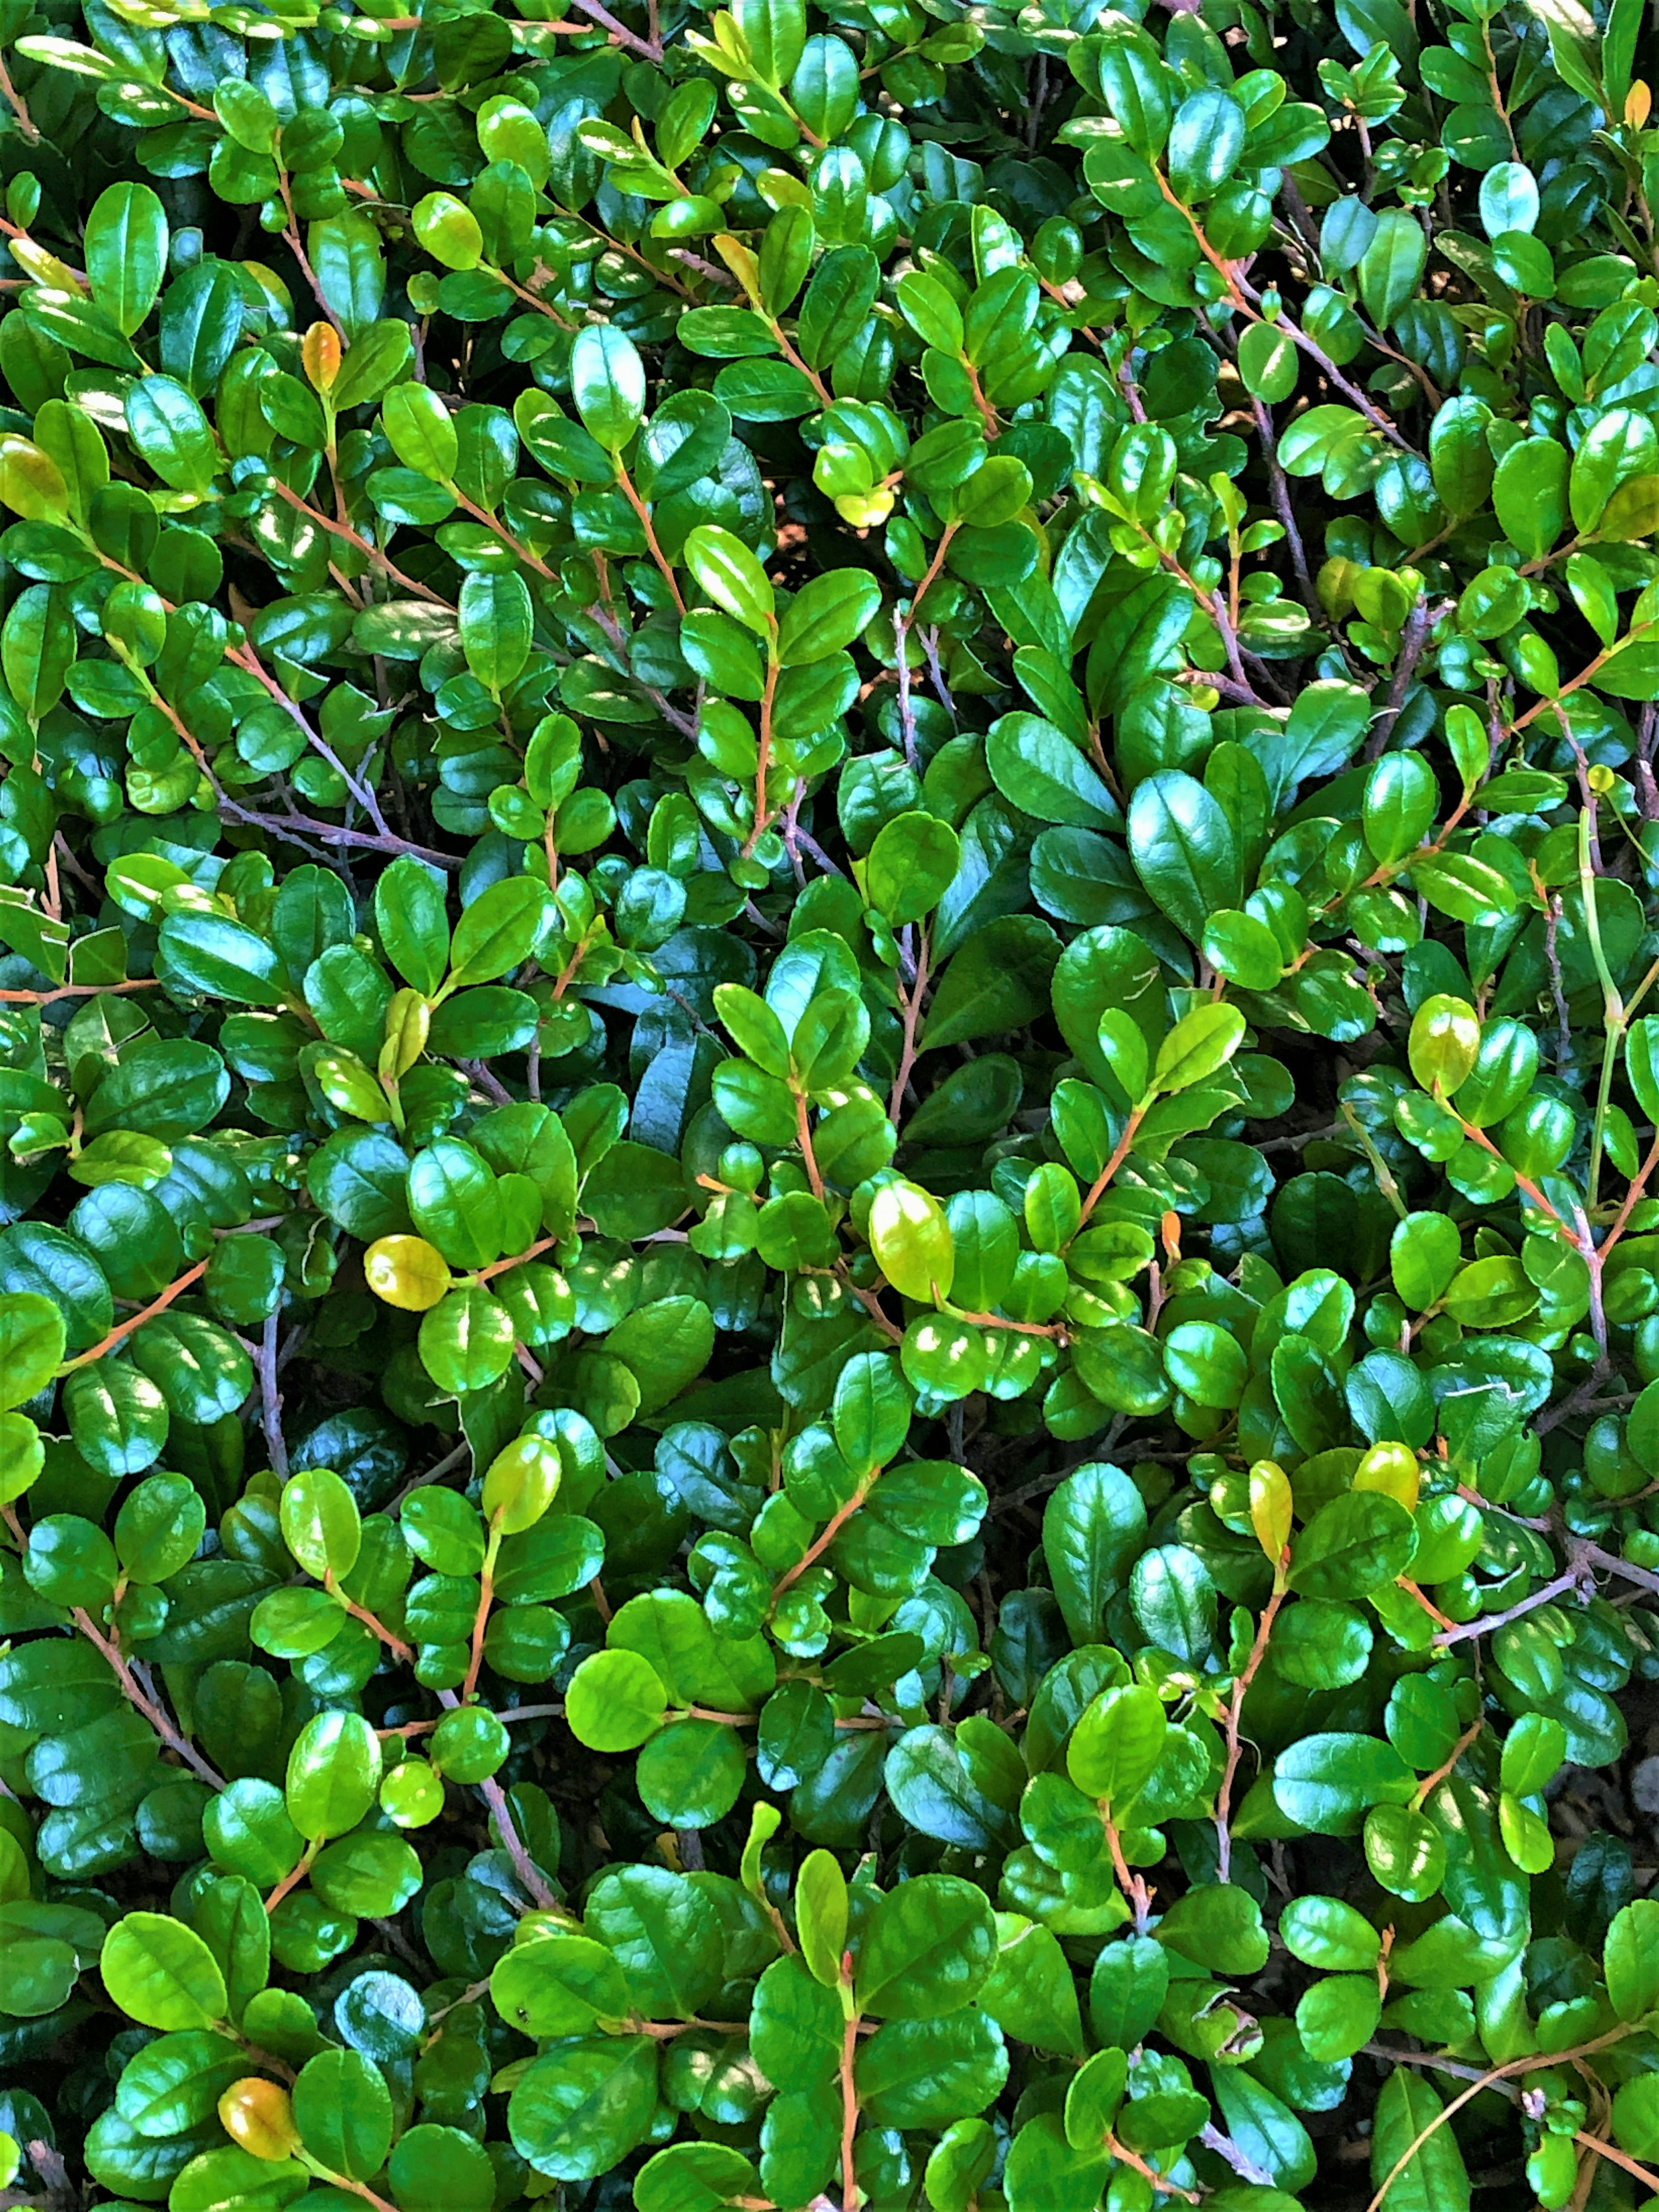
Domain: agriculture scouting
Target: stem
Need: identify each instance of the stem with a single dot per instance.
(394, 1644)
(1498, 2074)
(1133, 1885)
(626, 483)
(763, 758)
(295, 1875)
(1572, 1581)
(1585, 675)
(1426, 1789)
(1138, 2165)
(871, 1302)
(28, 129)
(296, 245)
(246, 657)
(480, 1619)
(329, 834)
(1612, 1006)
(837, 1522)
(804, 1128)
(123, 1328)
(271, 1399)
(1644, 2174)
(912, 1015)
(530, 1877)
(648, 49)
(1621, 1219)
(344, 2181)
(344, 530)
(1280, 486)
(1120, 1153)
(1224, 2147)
(1525, 1182)
(1235, 1710)
(501, 1266)
(152, 1712)
(76, 991)
(852, 2196)
(1413, 639)
(1243, 299)
(1055, 1329)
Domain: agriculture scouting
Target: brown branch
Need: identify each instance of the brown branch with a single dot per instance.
(501, 1266)
(648, 50)
(1498, 2074)
(152, 1712)
(372, 552)
(912, 1005)
(763, 756)
(295, 1875)
(1120, 1153)
(1413, 639)
(1224, 1795)
(852, 2196)
(665, 567)
(77, 991)
(270, 1399)
(804, 1132)
(27, 129)
(1462, 1630)
(123, 1328)
(296, 245)
(815, 1550)
(1426, 1789)
(530, 1877)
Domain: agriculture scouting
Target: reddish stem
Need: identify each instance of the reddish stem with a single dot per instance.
(1235, 1710)
(123, 1328)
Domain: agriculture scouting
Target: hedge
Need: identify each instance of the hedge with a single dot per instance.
(828, 1250)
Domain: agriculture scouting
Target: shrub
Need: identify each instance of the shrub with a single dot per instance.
(828, 1298)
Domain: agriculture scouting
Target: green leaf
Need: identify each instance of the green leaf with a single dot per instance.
(32, 1341)
(927, 1949)
(826, 615)
(1047, 776)
(421, 431)
(615, 1700)
(1632, 1960)
(821, 1917)
(497, 931)
(1433, 2176)
(1353, 1544)
(321, 1523)
(1391, 266)
(733, 578)
(162, 1973)
(1092, 1528)
(126, 251)
(1115, 1745)
(579, 2110)
(607, 381)
(1184, 850)
(440, 2169)
(343, 2110)
(448, 229)
(333, 1772)
(911, 1240)
(497, 623)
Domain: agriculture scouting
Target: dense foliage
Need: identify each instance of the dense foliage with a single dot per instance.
(828, 1263)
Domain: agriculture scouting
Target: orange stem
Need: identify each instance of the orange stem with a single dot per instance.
(126, 1328)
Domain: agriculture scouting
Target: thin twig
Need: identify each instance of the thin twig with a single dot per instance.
(271, 1398)
(134, 1696)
